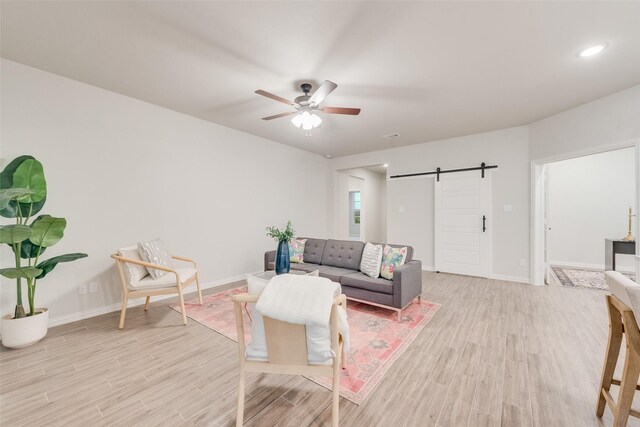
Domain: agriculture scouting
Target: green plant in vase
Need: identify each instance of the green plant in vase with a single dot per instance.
(23, 192)
(282, 264)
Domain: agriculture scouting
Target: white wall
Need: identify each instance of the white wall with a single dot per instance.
(507, 148)
(588, 201)
(122, 170)
(603, 122)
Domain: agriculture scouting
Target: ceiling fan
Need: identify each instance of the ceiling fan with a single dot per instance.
(306, 106)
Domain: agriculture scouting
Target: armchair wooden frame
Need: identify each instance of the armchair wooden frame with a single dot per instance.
(148, 293)
(622, 321)
(287, 350)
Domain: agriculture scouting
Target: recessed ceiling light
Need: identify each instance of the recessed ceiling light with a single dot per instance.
(385, 165)
(329, 156)
(391, 135)
(593, 50)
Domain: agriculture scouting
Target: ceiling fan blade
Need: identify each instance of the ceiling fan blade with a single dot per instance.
(277, 116)
(325, 89)
(341, 110)
(275, 97)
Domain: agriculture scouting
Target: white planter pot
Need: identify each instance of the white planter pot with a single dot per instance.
(23, 332)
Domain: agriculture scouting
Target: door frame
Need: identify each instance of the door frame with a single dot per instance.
(488, 174)
(537, 243)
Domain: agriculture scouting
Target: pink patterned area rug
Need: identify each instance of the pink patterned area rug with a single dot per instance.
(377, 338)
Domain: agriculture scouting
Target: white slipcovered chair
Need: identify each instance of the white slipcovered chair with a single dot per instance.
(137, 283)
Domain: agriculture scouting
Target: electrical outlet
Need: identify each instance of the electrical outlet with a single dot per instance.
(523, 262)
(82, 289)
(93, 287)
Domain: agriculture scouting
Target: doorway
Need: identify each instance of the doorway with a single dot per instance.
(578, 203)
(462, 205)
(354, 215)
(360, 197)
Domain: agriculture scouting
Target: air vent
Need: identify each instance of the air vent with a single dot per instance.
(391, 135)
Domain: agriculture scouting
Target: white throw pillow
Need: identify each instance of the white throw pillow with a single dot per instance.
(371, 260)
(155, 252)
(133, 273)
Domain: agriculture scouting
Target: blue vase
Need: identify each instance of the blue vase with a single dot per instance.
(282, 258)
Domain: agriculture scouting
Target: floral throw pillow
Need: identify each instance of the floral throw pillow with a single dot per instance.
(392, 258)
(296, 250)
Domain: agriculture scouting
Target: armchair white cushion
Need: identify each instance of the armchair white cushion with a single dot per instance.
(166, 281)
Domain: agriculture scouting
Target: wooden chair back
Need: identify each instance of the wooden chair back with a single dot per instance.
(287, 351)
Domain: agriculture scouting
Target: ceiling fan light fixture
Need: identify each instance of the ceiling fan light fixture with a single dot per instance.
(297, 120)
(306, 120)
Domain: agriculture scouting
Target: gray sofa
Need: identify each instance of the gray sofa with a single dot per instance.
(339, 260)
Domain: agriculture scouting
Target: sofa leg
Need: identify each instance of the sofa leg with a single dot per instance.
(419, 299)
(399, 316)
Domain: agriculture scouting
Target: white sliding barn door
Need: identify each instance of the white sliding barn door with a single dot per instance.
(462, 238)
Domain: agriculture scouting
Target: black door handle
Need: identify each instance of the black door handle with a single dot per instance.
(484, 223)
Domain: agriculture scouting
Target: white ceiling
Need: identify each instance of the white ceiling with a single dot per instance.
(427, 70)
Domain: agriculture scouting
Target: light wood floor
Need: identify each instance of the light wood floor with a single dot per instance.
(496, 353)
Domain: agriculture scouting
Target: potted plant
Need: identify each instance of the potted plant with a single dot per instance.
(282, 254)
(23, 192)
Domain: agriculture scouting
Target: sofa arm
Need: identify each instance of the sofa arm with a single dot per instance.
(407, 283)
(269, 257)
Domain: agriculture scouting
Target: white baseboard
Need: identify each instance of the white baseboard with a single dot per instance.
(622, 269)
(85, 314)
(428, 268)
(505, 278)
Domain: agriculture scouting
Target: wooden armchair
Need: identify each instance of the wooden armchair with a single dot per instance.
(287, 352)
(173, 282)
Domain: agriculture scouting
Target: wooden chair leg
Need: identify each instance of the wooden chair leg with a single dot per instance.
(199, 290)
(123, 312)
(146, 303)
(335, 406)
(240, 412)
(630, 375)
(184, 311)
(611, 356)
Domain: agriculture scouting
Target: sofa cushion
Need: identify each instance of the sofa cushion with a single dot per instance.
(371, 260)
(333, 273)
(342, 253)
(392, 258)
(296, 250)
(409, 250)
(313, 250)
(362, 281)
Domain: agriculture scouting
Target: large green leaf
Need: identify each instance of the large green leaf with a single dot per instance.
(14, 233)
(49, 264)
(47, 230)
(6, 182)
(20, 273)
(9, 194)
(29, 250)
(30, 175)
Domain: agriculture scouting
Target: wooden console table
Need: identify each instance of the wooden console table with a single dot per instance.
(613, 247)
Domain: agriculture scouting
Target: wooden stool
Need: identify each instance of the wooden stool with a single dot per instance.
(621, 322)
